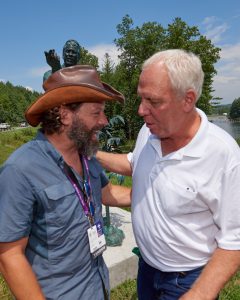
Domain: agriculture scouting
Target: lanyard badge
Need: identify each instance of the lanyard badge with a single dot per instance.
(96, 239)
(95, 233)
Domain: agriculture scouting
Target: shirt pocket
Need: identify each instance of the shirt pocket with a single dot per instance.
(62, 204)
(177, 199)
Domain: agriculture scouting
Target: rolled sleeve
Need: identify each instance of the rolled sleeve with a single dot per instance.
(130, 157)
(97, 171)
(104, 179)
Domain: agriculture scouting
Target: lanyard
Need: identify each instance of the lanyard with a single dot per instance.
(84, 194)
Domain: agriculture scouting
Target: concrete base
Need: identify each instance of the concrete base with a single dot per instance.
(121, 262)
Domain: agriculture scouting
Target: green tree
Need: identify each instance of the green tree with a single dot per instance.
(86, 58)
(136, 44)
(235, 109)
(180, 35)
(13, 102)
(107, 75)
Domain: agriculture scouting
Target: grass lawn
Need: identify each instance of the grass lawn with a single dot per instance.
(127, 290)
(4, 291)
(11, 140)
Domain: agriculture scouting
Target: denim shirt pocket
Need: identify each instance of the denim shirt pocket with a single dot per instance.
(61, 203)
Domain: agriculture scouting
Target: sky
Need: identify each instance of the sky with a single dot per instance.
(28, 28)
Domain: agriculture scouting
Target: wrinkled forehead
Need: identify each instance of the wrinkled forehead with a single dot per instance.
(153, 79)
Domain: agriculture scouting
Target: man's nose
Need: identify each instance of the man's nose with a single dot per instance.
(103, 120)
(142, 109)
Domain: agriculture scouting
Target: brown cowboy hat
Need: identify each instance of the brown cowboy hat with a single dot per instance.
(80, 83)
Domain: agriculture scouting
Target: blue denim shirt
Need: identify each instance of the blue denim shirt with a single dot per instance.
(38, 201)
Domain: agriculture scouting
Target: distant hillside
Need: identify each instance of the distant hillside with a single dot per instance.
(220, 109)
(13, 102)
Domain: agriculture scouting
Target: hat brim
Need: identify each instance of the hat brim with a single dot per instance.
(69, 94)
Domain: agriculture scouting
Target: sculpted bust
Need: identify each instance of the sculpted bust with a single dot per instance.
(71, 56)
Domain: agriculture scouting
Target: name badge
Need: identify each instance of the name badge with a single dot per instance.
(96, 239)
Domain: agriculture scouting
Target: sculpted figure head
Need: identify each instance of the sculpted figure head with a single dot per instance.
(71, 53)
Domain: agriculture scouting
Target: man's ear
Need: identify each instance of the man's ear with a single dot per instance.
(189, 100)
(65, 115)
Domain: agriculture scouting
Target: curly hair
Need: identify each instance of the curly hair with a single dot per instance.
(51, 119)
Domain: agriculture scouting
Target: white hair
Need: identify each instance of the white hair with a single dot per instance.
(184, 69)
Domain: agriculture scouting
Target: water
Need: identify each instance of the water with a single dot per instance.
(232, 128)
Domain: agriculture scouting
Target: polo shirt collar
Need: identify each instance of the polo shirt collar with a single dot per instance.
(195, 148)
(199, 143)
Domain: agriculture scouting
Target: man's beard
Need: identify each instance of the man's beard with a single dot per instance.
(82, 138)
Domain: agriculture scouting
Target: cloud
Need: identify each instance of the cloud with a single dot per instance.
(38, 72)
(236, 16)
(231, 52)
(3, 80)
(227, 81)
(29, 88)
(101, 49)
(214, 31)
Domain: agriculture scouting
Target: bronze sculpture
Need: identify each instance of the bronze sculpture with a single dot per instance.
(71, 56)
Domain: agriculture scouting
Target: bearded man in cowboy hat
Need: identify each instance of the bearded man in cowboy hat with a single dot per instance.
(51, 236)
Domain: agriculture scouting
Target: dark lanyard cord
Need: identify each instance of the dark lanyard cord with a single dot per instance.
(83, 194)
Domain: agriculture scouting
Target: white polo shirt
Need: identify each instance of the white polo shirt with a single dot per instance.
(186, 203)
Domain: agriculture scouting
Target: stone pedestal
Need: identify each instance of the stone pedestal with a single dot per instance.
(121, 262)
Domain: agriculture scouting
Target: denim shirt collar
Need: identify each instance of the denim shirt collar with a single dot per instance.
(48, 148)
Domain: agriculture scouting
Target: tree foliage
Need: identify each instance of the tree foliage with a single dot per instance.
(136, 44)
(86, 58)
(13, 102)
(108, 75)
(110, 136)
(235, 109)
